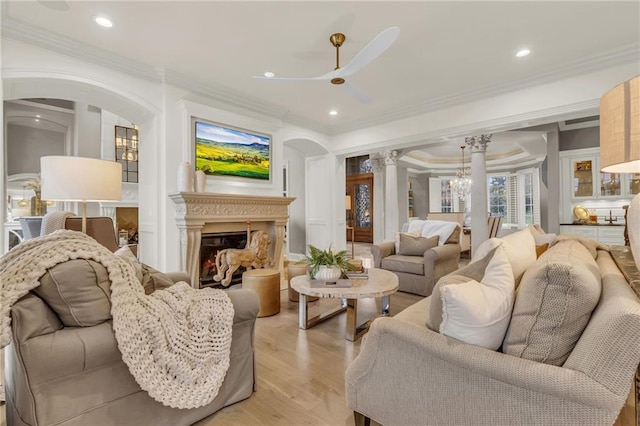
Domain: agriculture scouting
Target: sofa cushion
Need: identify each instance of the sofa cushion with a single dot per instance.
(553, 304)
(520, 248)
(479, 312)
(398, 234)
(409, 264)
(416, 246)
(153, 279)
(78, 291)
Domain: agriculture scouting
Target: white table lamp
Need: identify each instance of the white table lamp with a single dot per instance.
(620, 145)
(66, 178)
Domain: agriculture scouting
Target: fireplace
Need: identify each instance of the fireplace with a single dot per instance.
(202, 213)
(210, 246)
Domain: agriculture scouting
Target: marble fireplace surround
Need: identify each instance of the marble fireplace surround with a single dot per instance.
(200, 213)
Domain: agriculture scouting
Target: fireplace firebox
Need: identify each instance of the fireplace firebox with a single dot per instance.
(211, 245)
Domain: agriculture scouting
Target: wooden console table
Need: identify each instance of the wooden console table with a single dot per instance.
(624, 259)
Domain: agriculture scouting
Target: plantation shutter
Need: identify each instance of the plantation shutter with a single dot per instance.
(514, 189)
(435, 195)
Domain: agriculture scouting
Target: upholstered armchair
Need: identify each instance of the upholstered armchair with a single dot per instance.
(63, 365)
(418, 270)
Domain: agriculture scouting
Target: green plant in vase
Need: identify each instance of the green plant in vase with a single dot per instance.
(327, 265)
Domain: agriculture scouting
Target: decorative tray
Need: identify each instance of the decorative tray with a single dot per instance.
(581, 213)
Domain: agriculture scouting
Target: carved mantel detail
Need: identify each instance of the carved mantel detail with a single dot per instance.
(197, 211)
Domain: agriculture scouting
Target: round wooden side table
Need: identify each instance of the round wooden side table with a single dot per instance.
(266, 284)
(295, 270)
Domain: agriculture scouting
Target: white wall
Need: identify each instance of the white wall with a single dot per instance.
(25, 146)
(296, 231)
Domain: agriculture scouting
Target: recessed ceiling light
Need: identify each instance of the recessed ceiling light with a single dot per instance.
(103, 22)
(269, 74)
(333, 112)
(522, 53)
(37, 119)
(37, 115)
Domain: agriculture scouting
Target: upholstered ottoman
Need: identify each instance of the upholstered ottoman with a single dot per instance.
(295, 270)
(266, 284)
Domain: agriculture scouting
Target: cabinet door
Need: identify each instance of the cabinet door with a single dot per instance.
(582, 178)
(610, 185)
(633, 184)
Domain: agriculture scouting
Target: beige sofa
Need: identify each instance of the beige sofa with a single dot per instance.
(407, 374)
(418, 273)
(74, 375)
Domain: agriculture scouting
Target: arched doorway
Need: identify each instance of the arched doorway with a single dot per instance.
(27, 85)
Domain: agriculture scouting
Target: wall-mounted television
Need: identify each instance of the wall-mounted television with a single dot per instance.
(222, 150)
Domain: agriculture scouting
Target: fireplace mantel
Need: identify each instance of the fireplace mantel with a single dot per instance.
(203, 212)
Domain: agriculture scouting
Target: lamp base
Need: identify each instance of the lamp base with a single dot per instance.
(633, 227)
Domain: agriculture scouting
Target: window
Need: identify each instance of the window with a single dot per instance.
(127, 152)
(446, 196)
(515, 197)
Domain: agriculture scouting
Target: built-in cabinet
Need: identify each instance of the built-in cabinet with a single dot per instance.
(607, 234)
(603, 194)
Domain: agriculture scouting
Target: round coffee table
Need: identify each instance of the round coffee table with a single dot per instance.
(380, 283)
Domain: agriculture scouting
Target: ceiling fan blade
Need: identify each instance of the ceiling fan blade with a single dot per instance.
(327, 76)
(355, 92)
(371, 51)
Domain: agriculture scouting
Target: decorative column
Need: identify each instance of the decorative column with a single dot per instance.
(377, 165)
(479, 207)
(391, 217)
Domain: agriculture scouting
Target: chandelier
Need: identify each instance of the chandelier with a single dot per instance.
(461, 185)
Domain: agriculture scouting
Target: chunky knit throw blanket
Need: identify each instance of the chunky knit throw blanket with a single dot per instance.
(176, 342)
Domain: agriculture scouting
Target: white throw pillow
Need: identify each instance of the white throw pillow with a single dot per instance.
(126, 253)
(441, 228)
(479, 312)
(520, 248)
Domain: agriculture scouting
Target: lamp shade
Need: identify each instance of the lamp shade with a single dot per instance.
(68, 178)
(620, 128)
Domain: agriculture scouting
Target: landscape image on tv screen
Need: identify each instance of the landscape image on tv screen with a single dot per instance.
(222, 151)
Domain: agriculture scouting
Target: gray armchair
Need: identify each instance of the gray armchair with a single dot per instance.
(419, 274)
(74, 374)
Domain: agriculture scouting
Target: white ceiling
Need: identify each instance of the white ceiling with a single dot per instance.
(447, 52)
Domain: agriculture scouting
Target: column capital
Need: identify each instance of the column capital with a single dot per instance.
(478, 143)
(390, 157)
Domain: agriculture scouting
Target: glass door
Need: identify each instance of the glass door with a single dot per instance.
(360, 217)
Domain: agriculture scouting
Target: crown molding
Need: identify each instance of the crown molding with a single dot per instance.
(626, 54)
(30, 34)
(495, 125)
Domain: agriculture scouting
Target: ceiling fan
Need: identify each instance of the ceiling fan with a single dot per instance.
(371, 51)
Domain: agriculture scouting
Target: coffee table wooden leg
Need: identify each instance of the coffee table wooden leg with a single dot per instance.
(304, 322)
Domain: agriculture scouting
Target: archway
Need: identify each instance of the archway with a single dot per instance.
(295, 184)
(27, 84)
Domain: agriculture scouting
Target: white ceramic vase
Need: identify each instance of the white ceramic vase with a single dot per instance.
(328, 273)
(633, 228)
(200, 181)
(185, 177)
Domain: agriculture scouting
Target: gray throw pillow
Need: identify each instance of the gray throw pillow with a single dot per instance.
(553, 304)
(78, 291)
(416, 246)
